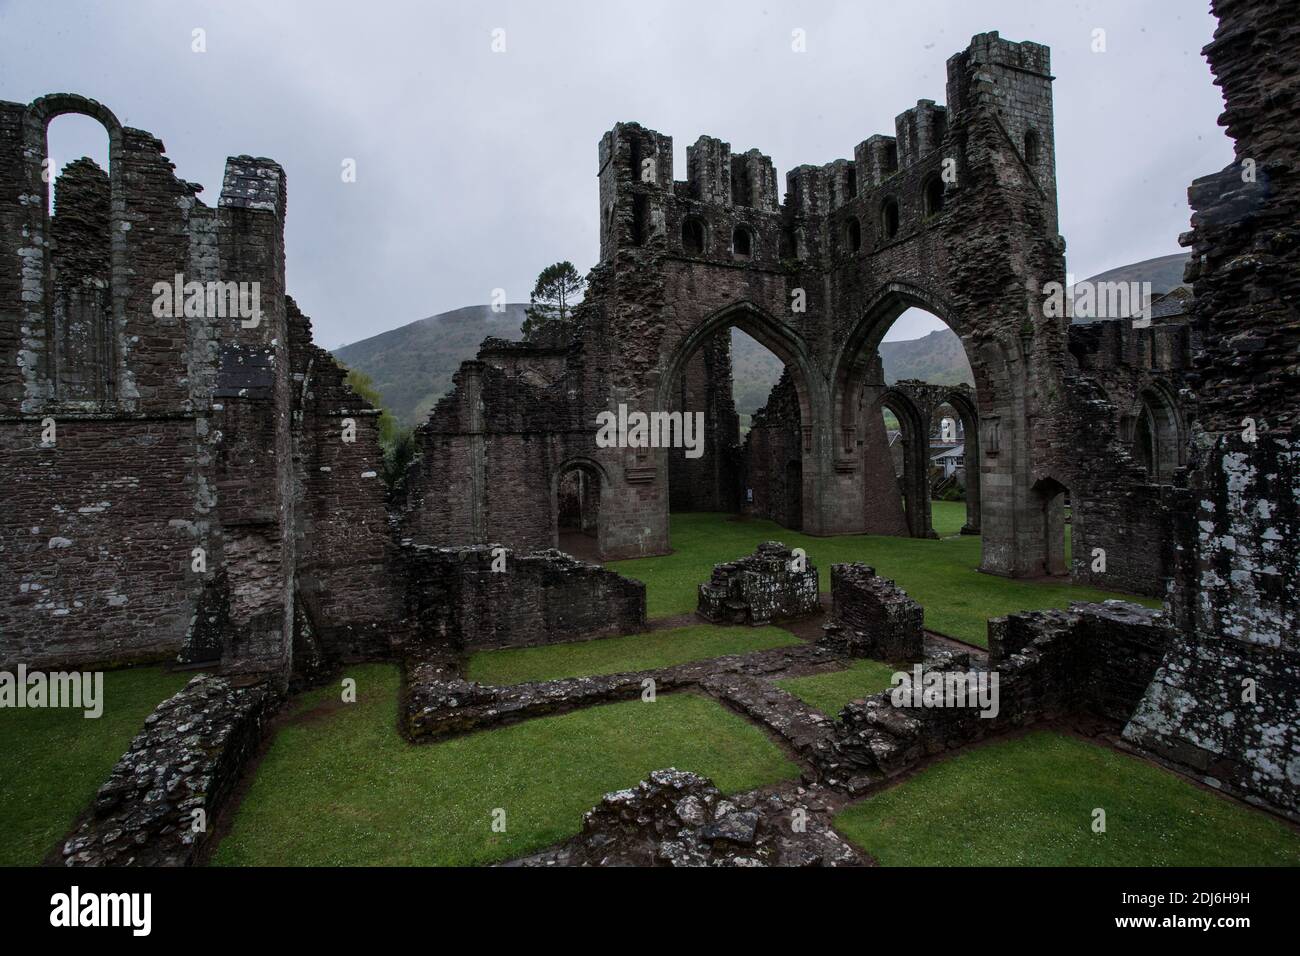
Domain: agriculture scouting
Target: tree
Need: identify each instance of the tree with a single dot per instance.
(395, 440)
(559, 288)
(364, 385)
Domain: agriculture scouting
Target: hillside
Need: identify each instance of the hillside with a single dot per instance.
(412, 366)
(1165, 273)
(937, 357)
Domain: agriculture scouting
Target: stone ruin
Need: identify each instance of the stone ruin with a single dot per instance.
(871, 616)
(178, 481)
(771, 585)
(677, 818)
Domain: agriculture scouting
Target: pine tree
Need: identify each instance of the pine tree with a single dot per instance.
(559, 288)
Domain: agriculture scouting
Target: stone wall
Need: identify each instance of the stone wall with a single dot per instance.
(161, 800)
(1235, 595)
(455, 599)
(347, 573)
(817, 280)
(493, 449)
(871, 616)
(1095, 659)
(767, 587)
(196, 470)
(1131, 409)
(773, 459)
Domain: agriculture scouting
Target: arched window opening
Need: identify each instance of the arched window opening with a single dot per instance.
(1031, 147)
(693, 236)
(853, 234)
(933, 196)
(742, 242)
(742, 183)
(889, 218)
(81, 359)
(577, 500)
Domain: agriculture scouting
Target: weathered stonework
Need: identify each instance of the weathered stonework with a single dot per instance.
(197, 484)
(482, 597)
(818, 279)
(678, 818)
(158, 804)
(771, 585)
(1235, 596)
(1094, 659)
(871, 616)
(439, 703)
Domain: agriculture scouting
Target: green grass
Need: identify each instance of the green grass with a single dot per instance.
(948, 517)
(1030, 801)
(53, 760)
(613, 655)
(831, 691)
(342, 788)
(942, 575)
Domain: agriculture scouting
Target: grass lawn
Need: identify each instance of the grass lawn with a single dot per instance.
(53, 760)
(340, 787)
(1030, 801)
(830, 692)
(613, 655)
(942, 575)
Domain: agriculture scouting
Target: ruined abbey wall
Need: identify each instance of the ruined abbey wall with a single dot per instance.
(1225, 698)
(492, 451)
(955, 213)
(164, 460)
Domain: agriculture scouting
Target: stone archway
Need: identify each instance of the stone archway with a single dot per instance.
(788, 345)
(996, 396)
(1158, 441)
(577, 519)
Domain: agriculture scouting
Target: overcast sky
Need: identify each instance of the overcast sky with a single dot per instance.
(476, 169)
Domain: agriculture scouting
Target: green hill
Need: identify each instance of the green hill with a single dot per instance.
(412, 366)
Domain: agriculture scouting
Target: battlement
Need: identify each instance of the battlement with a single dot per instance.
(641, 204)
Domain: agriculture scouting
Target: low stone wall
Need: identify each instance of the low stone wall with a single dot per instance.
(873, 617)
(678, 818)
(768, 586)
(485, 597)
(438, 703)
(1094, 658)
(1102, 656)
(188, 758)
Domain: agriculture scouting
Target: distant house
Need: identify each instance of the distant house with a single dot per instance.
(949, 460)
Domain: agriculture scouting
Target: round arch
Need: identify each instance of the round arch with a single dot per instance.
(585, 510)
(39, 114)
